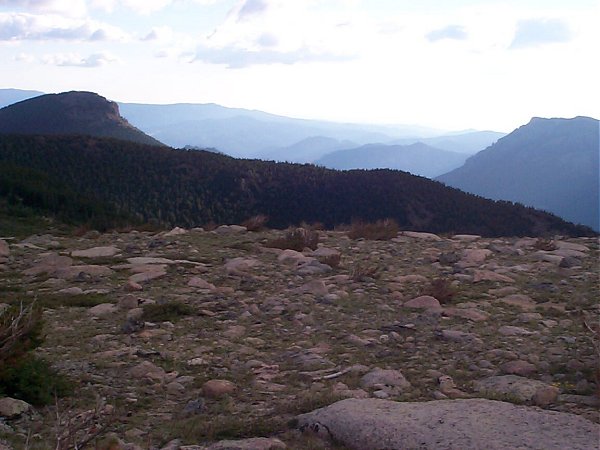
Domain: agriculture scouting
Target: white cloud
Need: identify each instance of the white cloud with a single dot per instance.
(456, 32)
(249, 8)
(263, 32)
(75, 60)
(71, 8)
(160, 34)
(24, 57)
(22, 27)
(536, 32)
(142, 6)
(237, 58)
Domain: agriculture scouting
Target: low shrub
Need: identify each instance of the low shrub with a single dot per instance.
(296, 239)
(363, 272)
(440, 288)
(545, 244)
(332, 260)
(166, 312)
(23, 375)
(382, 230)
(256, 223)
(33, 380)
(20, 331)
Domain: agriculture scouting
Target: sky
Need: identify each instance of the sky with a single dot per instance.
(447, 64)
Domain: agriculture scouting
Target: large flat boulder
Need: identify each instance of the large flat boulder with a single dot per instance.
(465, 424)
(96, 252)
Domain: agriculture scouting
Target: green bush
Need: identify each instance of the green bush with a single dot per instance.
(296, 239)
(23, 375)
(166, 312)
(20, 332)
(33, 380)
(382, 230)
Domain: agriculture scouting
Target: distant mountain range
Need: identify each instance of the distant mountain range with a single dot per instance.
(252, 134)
(83, 113)
(418, 159)
(256, 134)
(550, 164)
(10, 96)
(464, 142)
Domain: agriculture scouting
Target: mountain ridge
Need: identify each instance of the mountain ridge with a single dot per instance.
(190, 188)
(74, 112)
(551, 164)
(417, 158)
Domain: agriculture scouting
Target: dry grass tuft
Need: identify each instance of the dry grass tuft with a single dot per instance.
(256, 223)
(382, 230)
(442, 289)
(296, 239)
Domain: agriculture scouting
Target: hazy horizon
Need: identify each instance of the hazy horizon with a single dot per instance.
(459, 65)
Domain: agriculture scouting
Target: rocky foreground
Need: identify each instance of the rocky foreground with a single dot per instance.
(213, 340)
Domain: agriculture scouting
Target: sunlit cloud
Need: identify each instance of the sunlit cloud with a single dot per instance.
(71, 8)
(75, 60)
(251, 8)
(237, 58)
(456, 32)
(23, 27)
(142, 6)
(537, 32)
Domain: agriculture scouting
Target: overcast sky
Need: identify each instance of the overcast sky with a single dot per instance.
(450, 64)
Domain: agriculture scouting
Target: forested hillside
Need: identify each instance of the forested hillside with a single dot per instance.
(190, 188)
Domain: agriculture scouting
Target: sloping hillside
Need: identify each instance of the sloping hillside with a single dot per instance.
(83, 113)
(190, 188)
(550, 164)
(418, 159)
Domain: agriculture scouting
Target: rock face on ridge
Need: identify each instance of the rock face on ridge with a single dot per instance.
(472, 424)
(83, 113)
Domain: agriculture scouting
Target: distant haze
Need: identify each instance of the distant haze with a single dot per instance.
(448, 65)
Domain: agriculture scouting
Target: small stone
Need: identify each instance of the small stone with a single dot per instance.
(132, 286)
(518, 367)
(71, 291)
(12, 408)
(423, 302)
(4, 249)
(148, 370)
(459, 336)
(314, 287)
(381, 394)
(128, 302)
(194, 407)
(96, 252)
(509, 330)
(523, 389)
(386, 377)
(200, 283)
(260, 443)
(529, 317)
(488, 275)
(175, 388)
(176, 232)
(144, 277)
(230, 229)
(569, 262)
(519, 300)
(103, 309)
(217, 388)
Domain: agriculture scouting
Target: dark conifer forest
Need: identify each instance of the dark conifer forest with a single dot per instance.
(109, 182)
